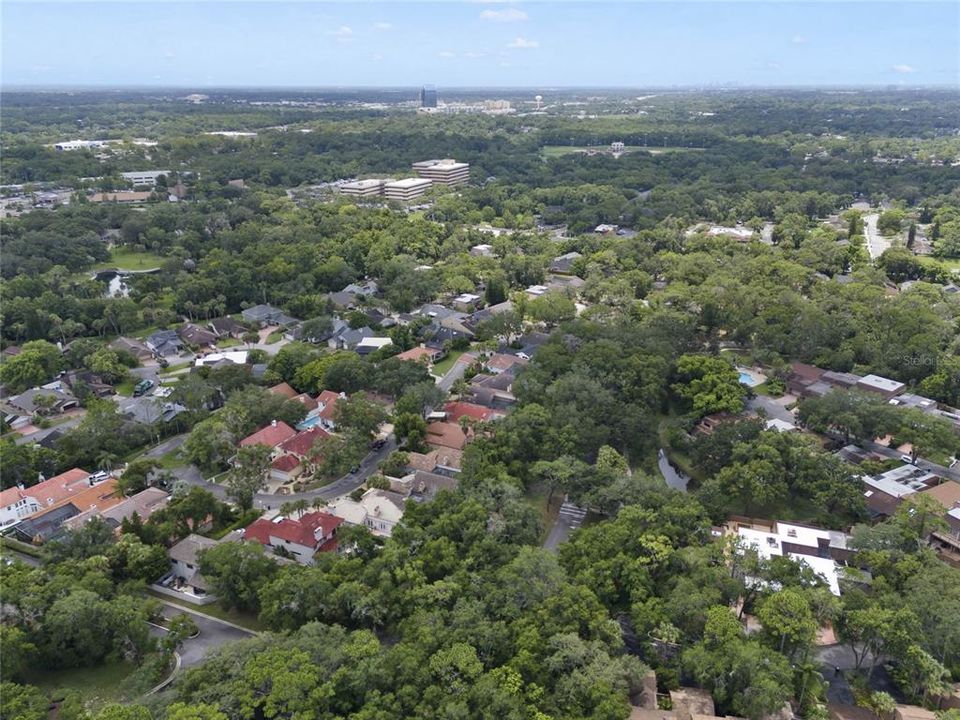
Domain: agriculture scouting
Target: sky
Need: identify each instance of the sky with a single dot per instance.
(202, 44)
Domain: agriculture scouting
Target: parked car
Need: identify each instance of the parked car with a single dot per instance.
(908, 459)
(142, 387)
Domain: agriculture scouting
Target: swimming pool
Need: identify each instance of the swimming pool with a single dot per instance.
(309, 423)
(746, 378)
(750, 378)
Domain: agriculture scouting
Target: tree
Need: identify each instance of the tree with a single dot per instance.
(135, 477)
(412, 429)
(891, 222)
(316, 329)
(23, 702)
(131, 559)
(210, 444)
(873, 631)
(881, 704)
(199, 711)
(179, 628)
(708, 385)
(925, 432)
(37, 363)
(788, 621)
(360, 414)
(123, 712)
(106, 363)
(920, 676)
(237, 571)
(18, 652)
(248, 475)
(551, 309)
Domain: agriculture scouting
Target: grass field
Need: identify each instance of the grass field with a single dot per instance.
(553, 151)
(443, 367)
(124, 259)
(98, 685)
(246, 620)
(950, 263)
(274, 337)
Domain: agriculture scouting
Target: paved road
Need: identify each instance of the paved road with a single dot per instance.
(39, 435)
(168, 445)
(944, 472)
(876, 243)
(569, 519)
(213, 634)
(456, 372)
(773, 409)
(342, 486)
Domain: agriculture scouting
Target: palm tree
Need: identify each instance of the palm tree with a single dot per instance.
(106, 460)
(318, 502)
(300, 507)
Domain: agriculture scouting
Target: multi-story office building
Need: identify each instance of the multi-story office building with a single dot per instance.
(144, 177)
(428, 96)
(445, 172)
(363, 188)
(406, 189)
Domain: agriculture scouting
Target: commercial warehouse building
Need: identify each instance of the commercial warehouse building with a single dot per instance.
(445, 172)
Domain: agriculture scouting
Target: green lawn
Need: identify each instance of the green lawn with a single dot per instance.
(98, 685)
(228, 343)
(125, 259)
(126, 388)
(275, 336)
(246, 620)
(443, 367)
(949, 263)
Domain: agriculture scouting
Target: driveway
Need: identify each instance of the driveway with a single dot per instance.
(774, 407)
(568, 520)
(167, 446)
(36, 435)
(456, 372)
(213, 634)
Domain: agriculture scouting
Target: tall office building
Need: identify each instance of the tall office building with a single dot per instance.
(445, 172)
(428, 96)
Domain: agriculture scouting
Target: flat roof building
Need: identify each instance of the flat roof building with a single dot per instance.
(144, 177)
(880, 385)
(445, 172)
(406, 189)
(363, 188)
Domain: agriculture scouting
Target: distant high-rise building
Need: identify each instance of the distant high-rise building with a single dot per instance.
(445, 172)
(428, 96)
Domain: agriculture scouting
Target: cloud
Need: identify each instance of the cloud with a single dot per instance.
(904, 69)
(798, 40)
(446, 54)
(382, 26)
(523, 43)
(471, 54)
(506, 15)
(344, 33)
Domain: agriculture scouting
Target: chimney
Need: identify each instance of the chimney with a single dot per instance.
(273, 423)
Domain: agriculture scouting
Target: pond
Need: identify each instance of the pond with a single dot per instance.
(675, 479)
(116, 283)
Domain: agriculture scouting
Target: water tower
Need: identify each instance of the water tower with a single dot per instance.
(539, 99)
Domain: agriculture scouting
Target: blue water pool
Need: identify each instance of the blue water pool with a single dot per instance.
(309, 423)
(746, 378)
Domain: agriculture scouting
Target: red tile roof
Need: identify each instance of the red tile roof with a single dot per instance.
(327, 401)
(457, 410)
(285, 463)
(446, 434)
(501, 361)
(302, 531)
(302, 443)
(271, 435)
(417, 354)
(308, 402)
(285, 390)
(49, 492)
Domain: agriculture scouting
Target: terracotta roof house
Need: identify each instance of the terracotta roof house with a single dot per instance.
(18, 504)
(946, 493)
(457, 410)
(301, 444)
(85, 498)
(501, 362)
(284, 390)
(301, 538)
(422, 354)
(443, 460)
(444, 434)
(142, 504)
(312, 406)
(327, 402)
(270, 436)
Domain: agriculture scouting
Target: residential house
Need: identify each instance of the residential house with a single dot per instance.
(369, 345)
(132, 347)
(294, 454)
(482, 250)
(349, 338)
(883, 493)
(446, 435)
(422, 354)
(802, 376)
(19, 503)
(492, 391)
(880, 386)
(227, 327)
(466, 302)
(269, 436)
(82, 382)
(196, 336)
(441, 461)
(267, 315)
(10, 351)
(378, 510)
(164, 343)
(500, 362)
(149, 410)
(563, 264)
(49, 523)
(472, 321)
(284, 390)
(367, 289)
(422, 485)
(327, 402)
(475, 413)
(227, 358)
(143, 504)
(300, 539)
(824, 551)
(310, 405)
(529, 344)
(49, 400)
(185, 565)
